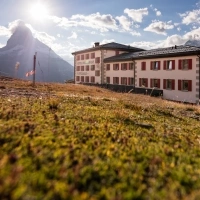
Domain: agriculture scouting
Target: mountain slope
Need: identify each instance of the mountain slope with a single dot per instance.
(195, 43)
(21, 48)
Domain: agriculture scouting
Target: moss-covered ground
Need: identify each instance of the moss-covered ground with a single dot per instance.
(60, 141)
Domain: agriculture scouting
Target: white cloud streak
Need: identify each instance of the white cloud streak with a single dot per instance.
(124, 22)
(159, 27)
(190, 17)
(137, 14)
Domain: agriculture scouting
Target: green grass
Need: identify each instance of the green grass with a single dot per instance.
(81, 142)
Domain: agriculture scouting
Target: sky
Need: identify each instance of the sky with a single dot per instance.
(71, 25)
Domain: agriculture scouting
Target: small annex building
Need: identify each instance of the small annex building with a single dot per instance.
(175, 70)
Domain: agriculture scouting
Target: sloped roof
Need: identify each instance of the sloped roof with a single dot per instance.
(155, 53)
(112, 45)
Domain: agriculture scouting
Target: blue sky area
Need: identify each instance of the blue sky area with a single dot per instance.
(70, 25)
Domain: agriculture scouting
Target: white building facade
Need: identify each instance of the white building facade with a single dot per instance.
(174, 70)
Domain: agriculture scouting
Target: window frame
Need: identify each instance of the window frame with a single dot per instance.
(181, 64)
(116, 80)
(153, 65)
(166, 84)
(141, 82)
(153, 83)
(116, 66)
(181, 85)
(124, 66)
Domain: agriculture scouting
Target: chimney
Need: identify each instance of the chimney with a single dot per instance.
(96, 44)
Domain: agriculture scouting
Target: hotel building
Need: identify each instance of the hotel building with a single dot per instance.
(175, 70)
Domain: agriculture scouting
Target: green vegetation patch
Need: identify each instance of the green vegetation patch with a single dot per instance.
(88, 148)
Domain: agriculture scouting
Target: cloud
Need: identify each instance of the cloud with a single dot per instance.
(158, 13)
(144, 45)
(190, 17)
(4, 31)
(135, 33)
(159, 27)
(96, 21)
(136, 14)
(124, 22)
(73, 36)
(2, 45)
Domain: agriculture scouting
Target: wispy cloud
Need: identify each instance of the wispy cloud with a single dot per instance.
(136, 14)
(159, 27)
(73, 36)
(124, 22)
(190, 17)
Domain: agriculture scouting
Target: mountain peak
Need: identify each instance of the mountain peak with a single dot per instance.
(193, 42)
(22, 35)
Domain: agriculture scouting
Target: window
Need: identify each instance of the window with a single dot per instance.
(169, 84)
(92, 79)
(82, 68)
(169, 65)
(82, 78)
(78, 68)
(115, 66)
(155, 83)
(123, 81)
(78, 57)
(92, 67)
(130, 81)
(130, 66)
(82, 57)
(116, 80)
(155, 65)
(97, 60)
(107, 79)
(185, 85)
(143, 66)
(97, 73)
(124, 66)
(185, 64)
(87, 79)
(87, 68)
(78, 78)
(116, 53)
(87, 56)
(107, 67)
(92, 55)
(143, 82)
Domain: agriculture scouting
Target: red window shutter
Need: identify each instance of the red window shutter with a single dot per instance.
(97, 60)
(143, 65)
(173, 64)
(140, 82)
(146, 81)
(158, 65)
(180, 64)
(179, 84)
(158, 83)
(121, 80)
(125, 66)
(173, 84)
(190, 63)
(164, 83)
(164, 65)
(189, 85)
(151, 83)
(151, 65)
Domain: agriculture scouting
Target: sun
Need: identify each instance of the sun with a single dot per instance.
(39, 11)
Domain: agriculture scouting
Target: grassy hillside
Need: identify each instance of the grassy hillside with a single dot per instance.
(63, 141)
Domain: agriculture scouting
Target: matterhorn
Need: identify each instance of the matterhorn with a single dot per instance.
(16, 58)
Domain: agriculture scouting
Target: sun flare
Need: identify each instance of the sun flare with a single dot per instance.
(39, 11)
